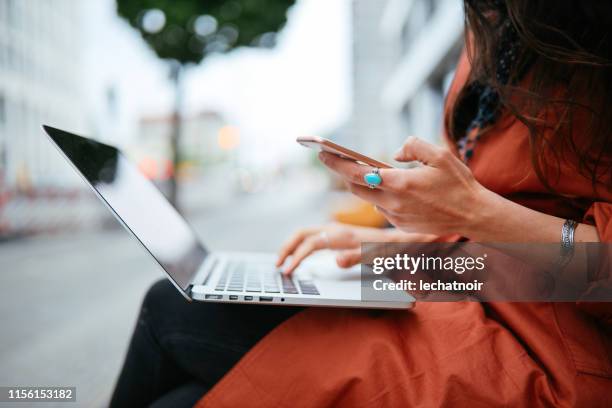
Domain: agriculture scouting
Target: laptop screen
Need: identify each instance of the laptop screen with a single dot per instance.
(140, 206)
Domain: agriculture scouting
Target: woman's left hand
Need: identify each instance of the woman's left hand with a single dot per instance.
(440, 197)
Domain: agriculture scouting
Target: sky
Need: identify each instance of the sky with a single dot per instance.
(300, 87)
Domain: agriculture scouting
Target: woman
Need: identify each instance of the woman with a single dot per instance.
(528, 159)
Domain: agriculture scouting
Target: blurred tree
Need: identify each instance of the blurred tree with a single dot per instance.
(186, 31)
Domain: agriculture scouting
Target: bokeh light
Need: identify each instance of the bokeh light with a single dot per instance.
(205, 25)
(228, 138)
(153, 21)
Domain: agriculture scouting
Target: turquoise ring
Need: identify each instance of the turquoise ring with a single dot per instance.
(373, 178)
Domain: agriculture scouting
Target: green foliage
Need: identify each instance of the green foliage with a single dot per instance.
(188, 39)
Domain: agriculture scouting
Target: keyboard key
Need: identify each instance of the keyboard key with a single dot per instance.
(308, 287)
(289, 286)
(293, 291)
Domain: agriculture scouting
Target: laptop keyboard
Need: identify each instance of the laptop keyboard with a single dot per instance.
(243, 277)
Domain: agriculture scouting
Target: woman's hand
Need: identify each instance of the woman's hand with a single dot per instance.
(440, 197)
(346, 239)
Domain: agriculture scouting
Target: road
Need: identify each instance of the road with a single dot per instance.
(68, 302)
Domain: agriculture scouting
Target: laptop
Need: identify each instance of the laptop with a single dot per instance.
(198, 274)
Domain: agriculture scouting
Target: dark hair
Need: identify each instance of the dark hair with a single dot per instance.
(565, 98)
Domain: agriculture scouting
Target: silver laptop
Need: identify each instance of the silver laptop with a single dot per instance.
(198, 274)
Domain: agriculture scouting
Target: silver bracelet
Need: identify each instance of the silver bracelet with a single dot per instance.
(567, 242)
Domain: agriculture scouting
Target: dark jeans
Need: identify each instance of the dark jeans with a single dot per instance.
(179, 350)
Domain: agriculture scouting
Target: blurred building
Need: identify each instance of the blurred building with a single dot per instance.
(430, 35)
(39, 83)
(404, 55)
(372, 128)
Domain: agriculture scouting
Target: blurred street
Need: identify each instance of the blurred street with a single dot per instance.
(68, 302)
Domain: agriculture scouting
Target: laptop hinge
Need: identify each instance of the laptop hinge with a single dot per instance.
(203, 275)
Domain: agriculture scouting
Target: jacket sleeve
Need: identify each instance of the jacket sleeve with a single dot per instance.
(600, 215)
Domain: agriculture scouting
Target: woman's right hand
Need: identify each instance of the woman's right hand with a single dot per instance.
(346, 239)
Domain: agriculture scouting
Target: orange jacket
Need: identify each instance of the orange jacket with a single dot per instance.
(445, 354)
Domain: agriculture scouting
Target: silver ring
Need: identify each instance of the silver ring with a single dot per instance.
(325, 237)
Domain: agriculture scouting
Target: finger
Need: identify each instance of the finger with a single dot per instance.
(392, 179)
(400, 180)
(388, 214)
(375, 196)
(348, 258)
(289, 247)
(427, 153)
(347, 169)
(310, 244)
(402, 222)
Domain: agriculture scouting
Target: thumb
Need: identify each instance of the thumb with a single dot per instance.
(417, 149)
(348, 258)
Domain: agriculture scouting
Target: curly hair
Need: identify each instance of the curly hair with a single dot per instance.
(560, 86)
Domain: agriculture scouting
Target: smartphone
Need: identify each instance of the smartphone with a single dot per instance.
(326, 145)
